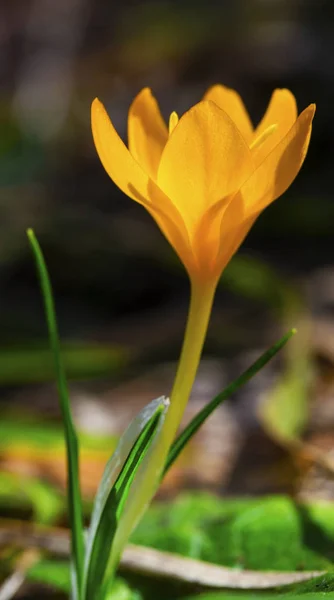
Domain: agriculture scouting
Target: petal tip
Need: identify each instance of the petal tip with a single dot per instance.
(286, 94)
(96, 106)
(312, 108)
(309, 112)
(144, 96)
(146, 91)
(283, 91)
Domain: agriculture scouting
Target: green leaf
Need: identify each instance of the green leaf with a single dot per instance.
(51, 572)
(273, 533)
(30, 492)
(285, 411)
(199, 419)
(74, 496)
(111, 502)
(120, 590)
(56, 574)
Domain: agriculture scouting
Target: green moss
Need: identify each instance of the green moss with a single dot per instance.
(272, 533)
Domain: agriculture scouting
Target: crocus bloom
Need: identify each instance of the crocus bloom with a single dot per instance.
(204, 179)
(207, 176)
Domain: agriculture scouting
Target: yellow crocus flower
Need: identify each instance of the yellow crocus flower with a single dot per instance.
(208, 176)
(205, 178)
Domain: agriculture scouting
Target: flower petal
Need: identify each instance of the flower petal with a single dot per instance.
(147, 132)
(114, 155)
(230, 101)
(281, 112)
(278, 170)
(268, 182)
(231, 239)
(172, 226)
(205, 159)
(131, 179)
(207, 236)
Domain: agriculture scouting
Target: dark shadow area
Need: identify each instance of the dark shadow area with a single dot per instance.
(314, 537)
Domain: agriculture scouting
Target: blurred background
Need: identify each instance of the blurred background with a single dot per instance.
(121, 294)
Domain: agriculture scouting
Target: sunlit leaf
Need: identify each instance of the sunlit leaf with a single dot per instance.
(112, 496)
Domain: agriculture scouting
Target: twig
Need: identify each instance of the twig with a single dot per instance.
(12, 585)
(14, 582)
(151, 562)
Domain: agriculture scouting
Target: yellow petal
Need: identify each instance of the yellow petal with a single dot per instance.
(115, 157)
(172, 226)
(173, 121)
(205, 159)
(231, 239)
(281, 112)
(230, 101)
(207, 237)
(278, 170)
(147, 132)
(219, 235)
(131, 179)
(268, 182)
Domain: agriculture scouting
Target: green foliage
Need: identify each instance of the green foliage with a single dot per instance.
(74, 496)
(80, 361)
(111, 499)
(285, 412)
(115, 512)
(272, 533)
(51, 572)
(56, 574)
(199, 419)
(30, 493)
(120, 590)
(45, 435)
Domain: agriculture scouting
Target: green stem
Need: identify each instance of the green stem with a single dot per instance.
(202, 295)
(153, 465)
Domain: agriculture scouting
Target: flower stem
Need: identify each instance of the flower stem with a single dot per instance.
(201, 300)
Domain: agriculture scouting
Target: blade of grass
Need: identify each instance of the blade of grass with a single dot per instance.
(199, 419)
(72, 451)
(102, 561)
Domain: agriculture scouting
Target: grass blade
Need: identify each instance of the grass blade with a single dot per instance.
(199, 419)
(116, 484)
(74, 496)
